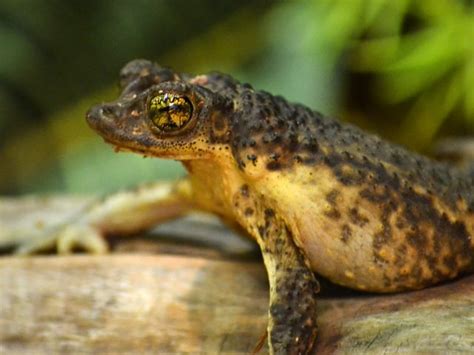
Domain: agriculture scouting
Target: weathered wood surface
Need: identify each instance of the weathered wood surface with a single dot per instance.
(165, 297)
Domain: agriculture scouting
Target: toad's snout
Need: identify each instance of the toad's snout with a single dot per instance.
(101, 117)
(120, 126)
(98, 112)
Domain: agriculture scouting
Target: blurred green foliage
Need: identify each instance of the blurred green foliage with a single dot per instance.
(413, 60)
(402, 68)
(432, 64)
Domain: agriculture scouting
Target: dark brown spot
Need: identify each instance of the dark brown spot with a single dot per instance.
(269, 213)
(333, 213)
(249, 212)
(332, 196)
(357, 218)
(252, 158)
(346, 233)
(244, 190)
(273, 165)
(417, 239)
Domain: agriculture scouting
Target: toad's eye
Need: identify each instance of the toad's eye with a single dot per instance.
(169, 112)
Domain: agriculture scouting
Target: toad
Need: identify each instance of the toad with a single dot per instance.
(318, 196)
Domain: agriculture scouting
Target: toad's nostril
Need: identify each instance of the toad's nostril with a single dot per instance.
(107, 111)
(98, 114)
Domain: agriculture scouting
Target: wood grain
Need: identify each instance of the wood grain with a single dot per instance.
(163, 303)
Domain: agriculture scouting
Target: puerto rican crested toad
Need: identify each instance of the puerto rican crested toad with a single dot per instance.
(318, 196)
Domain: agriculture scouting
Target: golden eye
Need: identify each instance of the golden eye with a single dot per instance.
(169, 112)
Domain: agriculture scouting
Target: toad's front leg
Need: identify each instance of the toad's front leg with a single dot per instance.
(292, 327)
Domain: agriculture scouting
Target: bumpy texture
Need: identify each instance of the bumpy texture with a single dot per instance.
(403, 185)
(317, 195)
(422, 204)
(286, 134)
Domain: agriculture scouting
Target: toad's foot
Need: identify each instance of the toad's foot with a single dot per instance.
(122, 213)
(64, 240)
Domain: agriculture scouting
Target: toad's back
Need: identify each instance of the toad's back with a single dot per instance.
(369, 214)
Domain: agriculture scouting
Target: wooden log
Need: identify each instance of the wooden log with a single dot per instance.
(129, 303)
(162, 303)
(161, 296)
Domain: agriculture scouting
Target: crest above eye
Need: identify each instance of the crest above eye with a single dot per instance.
(169, 112)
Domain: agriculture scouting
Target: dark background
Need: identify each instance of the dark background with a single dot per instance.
(403, 69)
